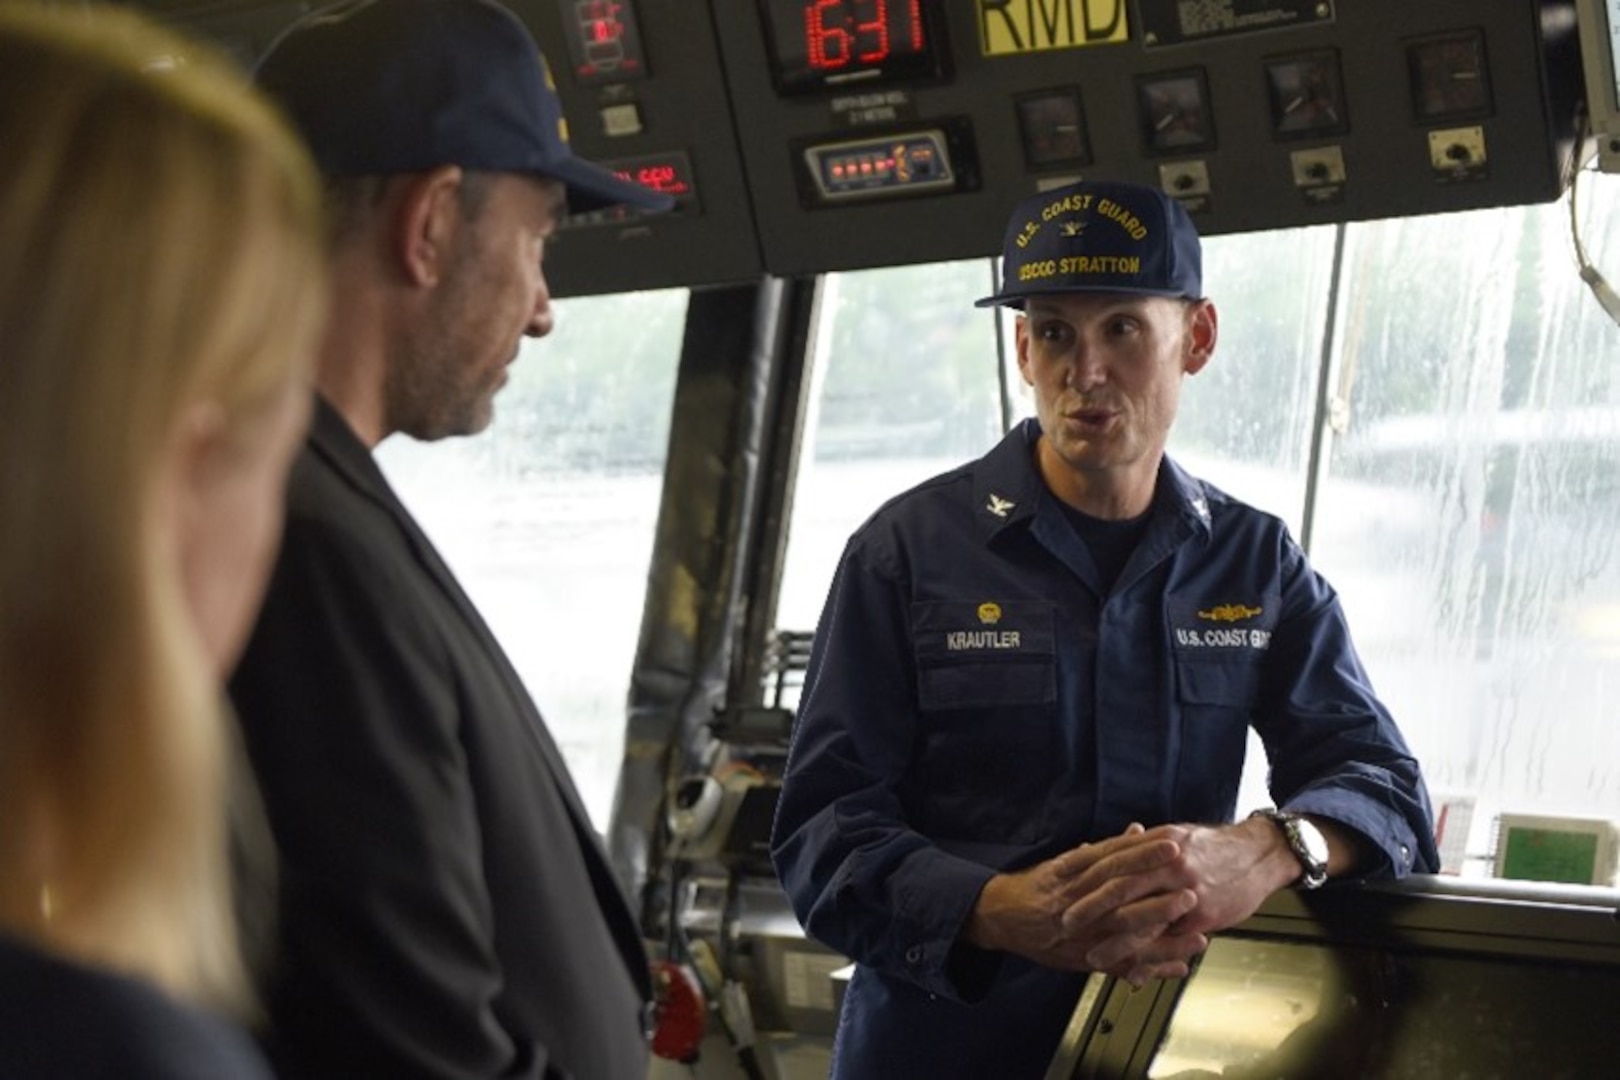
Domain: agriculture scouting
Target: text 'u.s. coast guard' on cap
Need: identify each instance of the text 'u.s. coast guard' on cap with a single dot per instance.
(1099, 236)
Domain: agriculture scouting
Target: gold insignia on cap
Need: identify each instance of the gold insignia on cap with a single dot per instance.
(989, 613)
(551, 85)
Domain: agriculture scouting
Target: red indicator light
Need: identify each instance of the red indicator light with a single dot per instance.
(600, 21)
(604, 43)
(660, 176)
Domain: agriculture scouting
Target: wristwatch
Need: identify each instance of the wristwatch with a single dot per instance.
(1305, 841)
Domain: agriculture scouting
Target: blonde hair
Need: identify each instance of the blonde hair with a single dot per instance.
(160, 247)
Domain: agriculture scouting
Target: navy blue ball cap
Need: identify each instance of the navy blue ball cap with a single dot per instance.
(1099, 236)
(397, 86)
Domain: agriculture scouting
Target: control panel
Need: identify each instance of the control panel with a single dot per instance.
(1599, 22)
(804, 136)
(1254, 113)
(645, 96)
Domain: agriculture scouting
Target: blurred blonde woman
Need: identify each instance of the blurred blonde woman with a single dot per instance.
(161, 288)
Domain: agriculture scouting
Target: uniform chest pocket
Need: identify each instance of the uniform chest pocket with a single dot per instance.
(1219, 650)
(1230, 683)
(1219, 647)
(984, 655)
(989, 749)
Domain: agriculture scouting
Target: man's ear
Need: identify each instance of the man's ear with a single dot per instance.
(1021, 346)
(425, 224)
(1203, 328)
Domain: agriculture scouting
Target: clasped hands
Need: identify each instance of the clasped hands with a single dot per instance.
(1139, 905)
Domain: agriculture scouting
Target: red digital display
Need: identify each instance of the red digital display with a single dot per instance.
(669, 173)
(668, 177)
(604, 43)
(838, 33)
(823, 44)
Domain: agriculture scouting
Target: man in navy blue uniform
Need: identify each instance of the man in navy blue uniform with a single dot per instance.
(1021, 737)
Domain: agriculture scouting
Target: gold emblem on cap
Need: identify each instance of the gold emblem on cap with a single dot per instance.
(989, 613)
(551, 85)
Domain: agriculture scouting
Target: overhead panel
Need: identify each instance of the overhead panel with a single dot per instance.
(878, 132)
(644, 95)
(642, 89)
(803, 136)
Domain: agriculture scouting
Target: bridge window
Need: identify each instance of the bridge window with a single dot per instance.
(1432, 404)
(903, 387)
(1470, 509)
(548, 517)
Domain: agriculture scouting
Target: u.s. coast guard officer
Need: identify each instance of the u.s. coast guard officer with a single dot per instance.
(1025, 661)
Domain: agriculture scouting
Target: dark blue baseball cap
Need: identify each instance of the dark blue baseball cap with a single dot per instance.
(397, 86)
(1099, 236)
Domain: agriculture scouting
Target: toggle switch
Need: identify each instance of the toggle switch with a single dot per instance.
(1458, 153)
(1319, 173)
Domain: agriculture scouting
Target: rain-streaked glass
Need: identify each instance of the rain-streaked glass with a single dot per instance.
(548, 516)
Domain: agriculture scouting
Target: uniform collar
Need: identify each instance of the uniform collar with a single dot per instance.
(1184, 494)
(1008, 487)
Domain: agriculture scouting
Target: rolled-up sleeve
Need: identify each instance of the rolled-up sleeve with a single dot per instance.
(1335, 749)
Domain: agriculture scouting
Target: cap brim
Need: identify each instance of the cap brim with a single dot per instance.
(1016, 299)
(591, 187)
(999, 300)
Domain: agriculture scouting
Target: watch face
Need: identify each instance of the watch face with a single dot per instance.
(1312, 840)
(1306, 842)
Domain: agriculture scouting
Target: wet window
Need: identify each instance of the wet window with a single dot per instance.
(1470, 511)
(1431, 404)
(1438, 422)
(904, 387)
(548, 516)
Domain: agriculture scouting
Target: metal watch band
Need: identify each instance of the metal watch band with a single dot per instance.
(1312, 863)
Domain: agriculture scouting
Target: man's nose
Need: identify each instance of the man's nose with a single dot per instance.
(541, 319)
(1086, 368)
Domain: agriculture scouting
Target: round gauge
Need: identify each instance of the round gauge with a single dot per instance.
(1053, 129)
(1307, 98)
(1174, 112)
(1449, 77)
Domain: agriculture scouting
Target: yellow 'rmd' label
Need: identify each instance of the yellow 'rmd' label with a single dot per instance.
(1010, 27)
